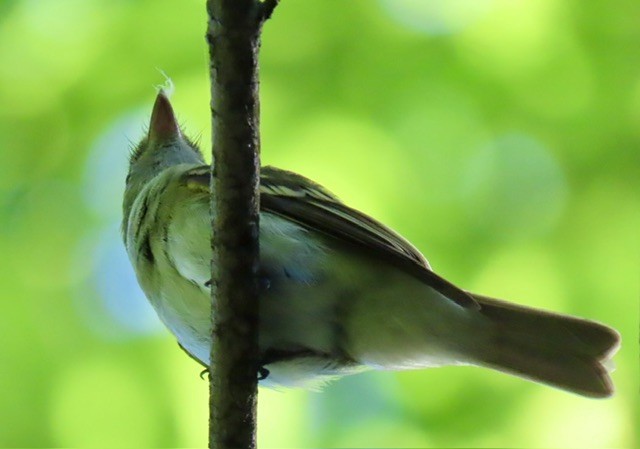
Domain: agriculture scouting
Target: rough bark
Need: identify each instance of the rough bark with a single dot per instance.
(233, 36)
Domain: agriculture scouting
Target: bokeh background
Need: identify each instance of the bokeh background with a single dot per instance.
(501, 137)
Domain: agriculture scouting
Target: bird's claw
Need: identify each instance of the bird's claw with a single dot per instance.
(263, 373)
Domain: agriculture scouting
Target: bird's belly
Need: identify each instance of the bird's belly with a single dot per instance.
(297, 311)
(329, 308)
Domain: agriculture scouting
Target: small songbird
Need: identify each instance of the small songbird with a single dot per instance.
(340, 292)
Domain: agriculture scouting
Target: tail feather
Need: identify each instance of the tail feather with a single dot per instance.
(561, 351)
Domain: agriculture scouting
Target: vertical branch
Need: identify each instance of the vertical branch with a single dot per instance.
(233, 36)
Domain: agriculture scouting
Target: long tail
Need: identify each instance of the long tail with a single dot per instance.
(557, 350)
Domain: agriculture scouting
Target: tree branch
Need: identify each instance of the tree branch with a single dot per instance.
(233, 35)
(267, 7)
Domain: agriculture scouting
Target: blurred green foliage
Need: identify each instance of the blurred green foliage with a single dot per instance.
(501, 137)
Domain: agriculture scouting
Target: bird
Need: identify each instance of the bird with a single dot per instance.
(340, 293)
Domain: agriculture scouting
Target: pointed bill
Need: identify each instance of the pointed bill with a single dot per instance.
(163, 126)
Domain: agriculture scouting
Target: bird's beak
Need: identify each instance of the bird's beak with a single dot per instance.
(163, 126)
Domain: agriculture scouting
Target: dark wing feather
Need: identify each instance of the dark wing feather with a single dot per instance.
(285, 185)
(308, 204)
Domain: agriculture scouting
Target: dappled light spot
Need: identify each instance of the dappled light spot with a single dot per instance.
(114, 307)
(518, 37)
(513, 187)
(336, 407)
(111, 303)
(364, 172)
(108, 163)
(59, 39)
(437, 134)
(384, 433)
(436, 17)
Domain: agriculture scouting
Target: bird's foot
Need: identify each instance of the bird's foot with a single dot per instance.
(263, 373)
